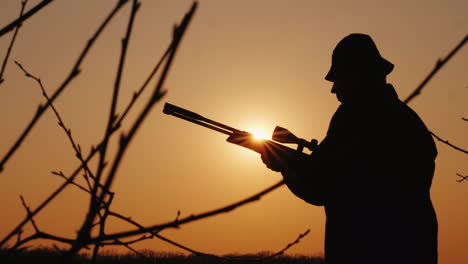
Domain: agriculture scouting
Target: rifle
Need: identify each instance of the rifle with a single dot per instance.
(243, 138)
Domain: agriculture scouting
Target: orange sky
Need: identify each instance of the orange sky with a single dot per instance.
(249, 64)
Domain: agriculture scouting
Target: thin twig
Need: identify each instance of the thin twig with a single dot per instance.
(76, 147)
(23, 18)
(448, 143)
(29, 213)
(157, 95)
(439, 64)
(462, 177)
(189, 219)
(46, 201)
(132, 249)
(96, 199)
(88, 183)
(102, 225)
(157, 235)
(10, 47)
(94, 150)
(43, 235)
(73, 73)
(41, 110)
(84, 233)
(281, 252)
(60, 174)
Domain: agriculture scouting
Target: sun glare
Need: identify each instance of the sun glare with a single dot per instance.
(259, 134)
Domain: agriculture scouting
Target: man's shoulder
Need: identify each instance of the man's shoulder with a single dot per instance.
(405, 115)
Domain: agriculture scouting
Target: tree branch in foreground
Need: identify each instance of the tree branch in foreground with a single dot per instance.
(10, 47)
(96, 200)
(439, 64)
(72, 75)
(23, 18)
(448, 143)
(76, 147)
(462, 177)
(178, 222)
(94, 149)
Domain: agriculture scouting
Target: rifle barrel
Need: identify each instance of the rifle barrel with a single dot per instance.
(190, 116)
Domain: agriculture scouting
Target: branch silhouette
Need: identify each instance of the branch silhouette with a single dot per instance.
(155, 233)
(463, 178)
(10, 47)
(178, 222)
(41, 109)
(23, 18)
(439, 64)
(159, 236)
(95, 201)
(448, 143)
(94, 149)
(85, 232)
(28, 211)
(76, 147)
(73, 73)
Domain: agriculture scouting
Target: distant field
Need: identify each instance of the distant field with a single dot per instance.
(53, 256)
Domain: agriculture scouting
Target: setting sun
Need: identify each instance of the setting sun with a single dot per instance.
(259, 134)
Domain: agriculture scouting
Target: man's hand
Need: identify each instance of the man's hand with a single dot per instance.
(275, 156)
(281, 159)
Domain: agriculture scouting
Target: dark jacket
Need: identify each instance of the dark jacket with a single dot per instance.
(373, 172)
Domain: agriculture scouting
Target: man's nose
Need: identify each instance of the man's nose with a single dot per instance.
(333, 90)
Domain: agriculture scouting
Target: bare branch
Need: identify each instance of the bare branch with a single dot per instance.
(96, 199)
(41, 110)
(60, 174)
(83, 236)
(10, 47)
(94, 150)
(42, 235)
(281, 252)
(23, 18)
(439, 64)
(462, 177)
(74, 72)
(157, 95)
(157, 235)
(189, 219)
(29, 213)
(102, 225)
(131, 249)
(448, 143)
(75, 146)
(47, 200)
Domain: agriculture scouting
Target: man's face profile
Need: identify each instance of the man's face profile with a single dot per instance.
(344, 89)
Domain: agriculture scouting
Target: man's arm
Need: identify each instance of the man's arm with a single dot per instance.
(301, 174)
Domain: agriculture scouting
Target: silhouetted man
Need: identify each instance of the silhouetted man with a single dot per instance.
(373, 170)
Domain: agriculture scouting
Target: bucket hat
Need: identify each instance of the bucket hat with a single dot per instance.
(357, 54)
